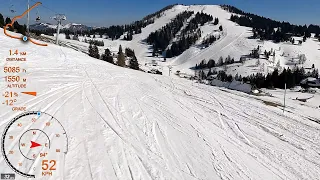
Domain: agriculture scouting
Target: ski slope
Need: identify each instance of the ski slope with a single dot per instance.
(125, 124)
(235, 41)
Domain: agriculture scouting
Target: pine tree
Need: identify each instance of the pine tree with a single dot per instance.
(94, 51)
(1, 21)
(75, 37)
(129, 52)
(107, 56)
(8, 21)
(236, 77)
(211, 63)
(216, 21)
(228, 61)
(107, 52)
(278, 65)
(220, 62)
(220, 28)
(315, 73)
(304, 38)
(91, 53)
(258, 62)
(209, 73)
(302, 58)
(134, 63)
(229, 78)
(120, 49)
(202, 75)
(121, 58)
(20, 29)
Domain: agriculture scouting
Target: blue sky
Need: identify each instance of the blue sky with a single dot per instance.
(107, 12)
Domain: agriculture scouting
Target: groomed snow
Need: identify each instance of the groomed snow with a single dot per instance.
(126, 124)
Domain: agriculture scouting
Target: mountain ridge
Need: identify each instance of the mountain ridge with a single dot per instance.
(68, 26)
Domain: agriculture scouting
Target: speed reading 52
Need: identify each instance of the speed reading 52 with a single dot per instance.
(49, 165)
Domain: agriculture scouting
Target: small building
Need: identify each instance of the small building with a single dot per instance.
(310, 82)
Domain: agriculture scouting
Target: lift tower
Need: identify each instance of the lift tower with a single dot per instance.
(59, 18)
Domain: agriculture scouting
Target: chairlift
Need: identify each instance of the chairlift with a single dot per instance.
(12, 9)
(38, 16)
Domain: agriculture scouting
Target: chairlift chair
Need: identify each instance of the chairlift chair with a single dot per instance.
(38, 16)
(12, 9)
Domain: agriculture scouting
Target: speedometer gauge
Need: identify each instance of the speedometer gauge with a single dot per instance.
(34, 145)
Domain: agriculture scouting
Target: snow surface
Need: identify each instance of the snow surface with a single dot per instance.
(126, 124)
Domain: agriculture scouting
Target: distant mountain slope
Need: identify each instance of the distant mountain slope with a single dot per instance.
(232, 40)
(69, 26)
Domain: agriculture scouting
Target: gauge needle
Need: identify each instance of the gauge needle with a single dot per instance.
(34, 144)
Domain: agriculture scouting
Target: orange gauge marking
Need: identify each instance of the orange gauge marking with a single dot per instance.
(30, 93)
(19, 17)
(39, 44)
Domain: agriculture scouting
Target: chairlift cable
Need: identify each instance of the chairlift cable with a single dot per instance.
(12, 7)
(46, 7)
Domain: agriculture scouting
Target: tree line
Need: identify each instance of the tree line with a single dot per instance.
(161, 38)
(200, 18)
(22, 29)
(74, 37)
(189, 35)
(278, 79)
(209, 40)
(211, 63)
(94, 42)
(121, 57)
(268, 29)
(182, 44)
